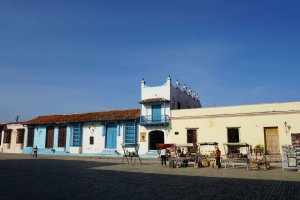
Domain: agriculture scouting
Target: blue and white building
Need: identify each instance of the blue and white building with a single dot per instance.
(156, 105)
(100, 133)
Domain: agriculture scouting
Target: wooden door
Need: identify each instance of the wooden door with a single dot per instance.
(156, 113)
(62, 135)
(272, 141)
(30, 137)
(111, 136)
(49, 137)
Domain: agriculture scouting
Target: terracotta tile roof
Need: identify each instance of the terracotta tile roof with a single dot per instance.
(112, 115)
(153, 100)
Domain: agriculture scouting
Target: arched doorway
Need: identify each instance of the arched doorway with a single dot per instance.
(155, 137)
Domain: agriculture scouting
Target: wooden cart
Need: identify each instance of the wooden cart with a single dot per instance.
(237, 155)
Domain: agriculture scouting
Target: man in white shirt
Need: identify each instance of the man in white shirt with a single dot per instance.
(163, 156)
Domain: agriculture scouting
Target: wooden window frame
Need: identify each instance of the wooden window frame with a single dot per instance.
(20, 136)
(62, 136)
(7, 136)
(193, 137)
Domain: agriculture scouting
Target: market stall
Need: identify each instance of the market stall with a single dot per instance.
(187, 155)
(237, 155)
(131, 152)
(207, 154)
(258, 158)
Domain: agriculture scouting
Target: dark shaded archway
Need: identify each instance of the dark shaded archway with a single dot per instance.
(155, 137)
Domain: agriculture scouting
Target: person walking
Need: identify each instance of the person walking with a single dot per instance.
(35, 150)
(163, 156)
(218, 157)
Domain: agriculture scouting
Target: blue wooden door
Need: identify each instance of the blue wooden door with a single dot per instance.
(111, 136)
(156, 113)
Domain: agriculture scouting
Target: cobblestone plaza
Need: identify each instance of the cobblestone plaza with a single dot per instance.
(49, 177)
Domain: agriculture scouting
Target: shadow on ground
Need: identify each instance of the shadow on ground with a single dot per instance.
(76, 179)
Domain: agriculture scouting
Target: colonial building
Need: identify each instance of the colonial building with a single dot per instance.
(156, 105)
(85, 133)
(12, 138)
(270, 125)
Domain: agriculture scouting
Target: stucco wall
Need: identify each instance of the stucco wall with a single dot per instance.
(162, 91)
(95, 130)
(13, 146)
(212, 123)
(144, 146)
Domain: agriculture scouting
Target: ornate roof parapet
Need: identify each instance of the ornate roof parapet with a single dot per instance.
(184, 88)
(177, 85)
(189, 92)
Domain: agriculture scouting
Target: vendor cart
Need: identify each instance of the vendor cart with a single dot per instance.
(207, 154)
(237, 155)
(131, 151)
(187, 154)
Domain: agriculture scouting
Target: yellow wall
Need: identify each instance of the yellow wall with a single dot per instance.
(212, 123)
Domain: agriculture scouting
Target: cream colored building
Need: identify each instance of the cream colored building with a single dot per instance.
(268, 124)
(12, 138)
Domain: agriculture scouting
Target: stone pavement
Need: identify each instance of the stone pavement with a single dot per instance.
(49, 177)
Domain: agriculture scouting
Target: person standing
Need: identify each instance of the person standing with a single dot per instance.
(218, 157)
(35, 150)
(163, 156)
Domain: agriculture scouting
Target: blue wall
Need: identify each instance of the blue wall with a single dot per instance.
(40, 141)
(39, 137)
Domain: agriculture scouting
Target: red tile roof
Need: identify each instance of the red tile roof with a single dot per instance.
(153, 100)
(112, 115)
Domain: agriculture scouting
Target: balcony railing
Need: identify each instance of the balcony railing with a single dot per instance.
(150, 120)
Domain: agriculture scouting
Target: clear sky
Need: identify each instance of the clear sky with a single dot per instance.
(70, 56)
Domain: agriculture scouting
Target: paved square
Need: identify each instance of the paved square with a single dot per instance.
(48, 177)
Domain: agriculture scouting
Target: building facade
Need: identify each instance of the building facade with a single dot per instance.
(270, 125)
(156, 105)
(12, 138)
(100, 133)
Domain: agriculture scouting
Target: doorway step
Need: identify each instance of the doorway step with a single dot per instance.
(110, 153)
(273, 158)
(150, 154)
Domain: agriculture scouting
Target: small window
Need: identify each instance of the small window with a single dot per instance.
(92, 140)
(233, 135)
(7, 136)
(192, 136)
(176, 133)
(20, 136)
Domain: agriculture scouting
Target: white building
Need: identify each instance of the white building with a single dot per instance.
(156, 105)
(12, 138)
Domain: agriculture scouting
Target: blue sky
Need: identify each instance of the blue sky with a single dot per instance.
(80, 56)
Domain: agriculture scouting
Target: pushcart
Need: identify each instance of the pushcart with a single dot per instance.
(237, 155)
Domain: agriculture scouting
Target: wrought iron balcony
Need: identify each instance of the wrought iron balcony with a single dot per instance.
(151, 120)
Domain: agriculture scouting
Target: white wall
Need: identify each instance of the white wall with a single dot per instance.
(162, 91)
(144, 146)
(13, 146)
(95, 130)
